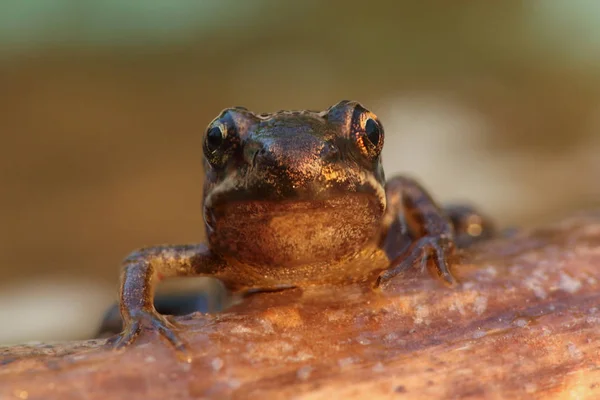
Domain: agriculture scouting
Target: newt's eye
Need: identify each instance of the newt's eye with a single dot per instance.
(215, 137)
(373, 131)
(367, 131)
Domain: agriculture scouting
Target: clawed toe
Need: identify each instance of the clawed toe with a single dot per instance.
(149, 322)
(423, 250)
(126, 337)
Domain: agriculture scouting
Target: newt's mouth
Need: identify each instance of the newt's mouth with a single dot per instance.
(328, 186)
(253, 209)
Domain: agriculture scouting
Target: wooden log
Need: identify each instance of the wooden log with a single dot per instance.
(524, 323)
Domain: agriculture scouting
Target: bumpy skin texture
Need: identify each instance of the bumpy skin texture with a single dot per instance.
(298, 198)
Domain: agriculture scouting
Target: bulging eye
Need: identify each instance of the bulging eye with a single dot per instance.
(373, 132)
(367, 131)
(214, 138)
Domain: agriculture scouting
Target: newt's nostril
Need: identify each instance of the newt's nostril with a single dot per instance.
(330, 152)
(264, 158)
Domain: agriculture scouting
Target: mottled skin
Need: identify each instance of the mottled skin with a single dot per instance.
(294, 199)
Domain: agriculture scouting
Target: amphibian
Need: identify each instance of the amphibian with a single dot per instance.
(291, 199)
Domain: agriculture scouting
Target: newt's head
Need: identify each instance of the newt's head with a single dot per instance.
(293, 186)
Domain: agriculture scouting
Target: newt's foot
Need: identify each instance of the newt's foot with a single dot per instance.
(434, 248)
(149, 322)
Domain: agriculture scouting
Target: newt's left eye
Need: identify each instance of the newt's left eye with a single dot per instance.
(373, 131)
(367, 131)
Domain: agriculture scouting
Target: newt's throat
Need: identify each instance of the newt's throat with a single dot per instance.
(289, 233)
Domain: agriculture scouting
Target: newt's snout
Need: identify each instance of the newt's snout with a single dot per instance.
(297, 158)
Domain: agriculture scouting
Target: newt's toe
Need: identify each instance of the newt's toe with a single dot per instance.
(144, 322)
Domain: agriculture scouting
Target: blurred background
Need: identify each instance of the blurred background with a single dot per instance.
(103, 106)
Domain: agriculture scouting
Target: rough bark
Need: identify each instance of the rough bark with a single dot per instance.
(524, 323)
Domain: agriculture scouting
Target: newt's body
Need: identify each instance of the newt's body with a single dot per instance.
(293, 199)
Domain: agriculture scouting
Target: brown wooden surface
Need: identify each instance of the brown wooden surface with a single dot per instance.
(524, 323)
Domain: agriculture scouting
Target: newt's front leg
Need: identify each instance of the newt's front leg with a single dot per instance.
(142, 270)
(418, 215)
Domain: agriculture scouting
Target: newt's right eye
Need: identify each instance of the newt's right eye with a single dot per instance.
(215, 137)
(222, 140)
(218, 142)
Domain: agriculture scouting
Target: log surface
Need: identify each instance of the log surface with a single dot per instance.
(524, 323)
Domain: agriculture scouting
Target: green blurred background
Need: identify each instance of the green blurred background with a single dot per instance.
(103, 105)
